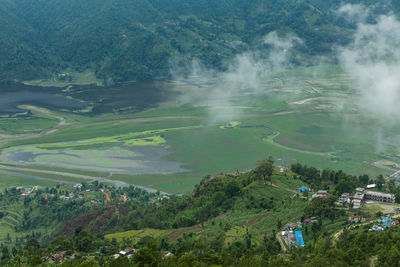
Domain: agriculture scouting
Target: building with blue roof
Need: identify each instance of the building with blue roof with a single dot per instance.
(303, 189)
(299, 238)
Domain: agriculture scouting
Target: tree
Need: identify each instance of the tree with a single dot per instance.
(232, 188)
(89, 263)
(380, 182)
(264, 170)
(35, 260)
(4, 253)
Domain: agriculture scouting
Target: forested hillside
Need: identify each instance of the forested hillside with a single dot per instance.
(228, 220)
(123, 40)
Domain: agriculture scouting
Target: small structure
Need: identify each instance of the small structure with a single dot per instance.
(127, 251)
(359, 190)
(370, 186)
(322, 194)
(59, 256)
(299, 238)
(303, 189)
(291, 226)
(396, 210)
(168, 254)
(344, 198)
(289, 238)
(354, 219)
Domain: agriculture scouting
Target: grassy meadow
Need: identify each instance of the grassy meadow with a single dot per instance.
(308, 115)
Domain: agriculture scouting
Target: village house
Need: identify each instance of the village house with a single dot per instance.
(354, 219)
(291, 226)
(127, 251)
(293, 238)
(344, 198)
(358, 200)
(321, 193)
(59, 256)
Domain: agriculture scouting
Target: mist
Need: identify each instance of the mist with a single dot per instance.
(372, 60)
(217, 90)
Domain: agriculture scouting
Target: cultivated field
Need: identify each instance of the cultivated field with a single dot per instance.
(308, 115)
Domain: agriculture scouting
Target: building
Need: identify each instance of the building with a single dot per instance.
(303, 189)
(379, 196)
(322, 194)
(299, 238)
(291, 226)
(127, 251)
(354, 219)
(289, 238)
(359, 190)
(59, 256)
(344, 198)
(370, 186)
(293, 239)
(358, 200)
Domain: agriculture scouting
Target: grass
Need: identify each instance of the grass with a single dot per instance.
(26, 125)
(78, 78)
(134, 236)
(7, 181)
(316, 133)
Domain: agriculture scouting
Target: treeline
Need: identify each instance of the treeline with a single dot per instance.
(342, 181)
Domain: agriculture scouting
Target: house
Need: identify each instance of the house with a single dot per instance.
(299, 238)
(359, 190)
(358, 200)
(127, 251)
(168, 254)
(344, 198)
(291, 226)
(321, 193)
(307, 221)
(354, 219)
(79, 186)
(303, 189)
(59, 256)
(289, 238)
(293, 239)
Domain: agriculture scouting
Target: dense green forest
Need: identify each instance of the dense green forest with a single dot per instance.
(122, 40)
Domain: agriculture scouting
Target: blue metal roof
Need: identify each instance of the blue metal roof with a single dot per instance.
(303, 188)
(299, 238)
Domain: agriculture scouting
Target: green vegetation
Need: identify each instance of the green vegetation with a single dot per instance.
(228, 219)
(134, 236)
(54, 50)
(23, 126)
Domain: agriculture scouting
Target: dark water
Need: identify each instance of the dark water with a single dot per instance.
(130, 97)
(13, 95)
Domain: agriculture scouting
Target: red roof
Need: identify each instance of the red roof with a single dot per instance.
(291, 225)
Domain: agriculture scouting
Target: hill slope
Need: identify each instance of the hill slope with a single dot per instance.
(135, 40)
